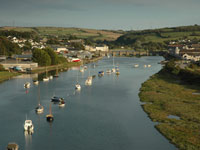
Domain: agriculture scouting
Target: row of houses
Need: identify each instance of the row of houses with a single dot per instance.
(21, 42)
(186, 52)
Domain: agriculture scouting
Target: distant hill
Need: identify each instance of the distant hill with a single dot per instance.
(92, 34)
(160, 35)
(155, 39)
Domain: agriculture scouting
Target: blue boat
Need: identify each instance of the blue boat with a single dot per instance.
(101, 73)
(56, 99)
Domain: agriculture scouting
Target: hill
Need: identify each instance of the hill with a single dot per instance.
(61, 32)
(157, 38)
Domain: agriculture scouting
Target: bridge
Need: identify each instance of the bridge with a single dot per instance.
(130, 53)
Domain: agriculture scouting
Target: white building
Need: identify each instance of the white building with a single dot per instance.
(61, 49)
(190, 57)
(102, 48)
(90, 48)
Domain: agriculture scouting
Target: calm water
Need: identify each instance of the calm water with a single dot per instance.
(104, 116)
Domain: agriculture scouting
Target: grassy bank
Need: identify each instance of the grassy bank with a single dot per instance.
(165, 94)
(5, 75)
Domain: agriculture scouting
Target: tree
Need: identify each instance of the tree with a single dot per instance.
(41, 57)
(53, 56)
(78, 46)
(8, 48)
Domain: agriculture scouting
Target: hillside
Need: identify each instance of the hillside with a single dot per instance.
(161, 36)
(66, 32)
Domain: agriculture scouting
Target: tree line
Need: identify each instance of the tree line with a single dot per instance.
(46, 57)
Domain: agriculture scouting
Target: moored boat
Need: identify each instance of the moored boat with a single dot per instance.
(56, 99)
(62, 103)
(78, 86)
(136, 66)
(39, 109)
(27, 85)
(50, 77)
(12, 146)
(88, 81)
(108, 71)
(28, 125)
(101, 73)
(36, 82)
(50, 117)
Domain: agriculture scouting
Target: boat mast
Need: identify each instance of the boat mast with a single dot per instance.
(39, 95)
(113, 61)
(50, 112)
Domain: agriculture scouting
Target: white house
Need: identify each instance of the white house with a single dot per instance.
(102, 48)
(190, 57)
(90, 48)
(61, 49)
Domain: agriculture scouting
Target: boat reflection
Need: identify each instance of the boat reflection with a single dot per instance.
(28, 139)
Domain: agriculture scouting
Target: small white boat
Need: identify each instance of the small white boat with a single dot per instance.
(101, 73)
(117, 72)
(136, 66)
(148, 66)
(145, 66)
(45, 79)
(113, 70)
(39, 109)
(81, 69)
(28, 125)
(78, 86)
(85, 67)
(50, 77)
(12, 146)
(88, 81)
(108, 71)
(36, 82)
(61, 103)
(27, 85)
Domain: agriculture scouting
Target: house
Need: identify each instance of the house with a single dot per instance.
(59, 49)
(90, 48)
(26, 57)
(102, 48)
(76, 41)
(191, 57)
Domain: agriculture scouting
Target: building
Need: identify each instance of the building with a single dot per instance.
(103, 48)
(90, 48)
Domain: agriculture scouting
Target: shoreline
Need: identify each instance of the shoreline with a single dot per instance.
(5, 75)
(165, 94)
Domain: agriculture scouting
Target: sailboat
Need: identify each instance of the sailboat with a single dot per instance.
(113, 69)
(81, 69)
(61, 103)
(46, 78)
(77, 86)
(88, 80)
(36, 82)
(39, 109)
(28, 125)
(50, 116)
(27, 85)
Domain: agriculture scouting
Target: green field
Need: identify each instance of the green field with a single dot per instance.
(65, 32)
(164, 95)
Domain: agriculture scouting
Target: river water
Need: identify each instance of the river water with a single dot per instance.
(105, 116)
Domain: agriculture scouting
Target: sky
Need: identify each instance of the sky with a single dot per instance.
(100, 14)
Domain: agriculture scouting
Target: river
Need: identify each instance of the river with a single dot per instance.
(105, 116)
